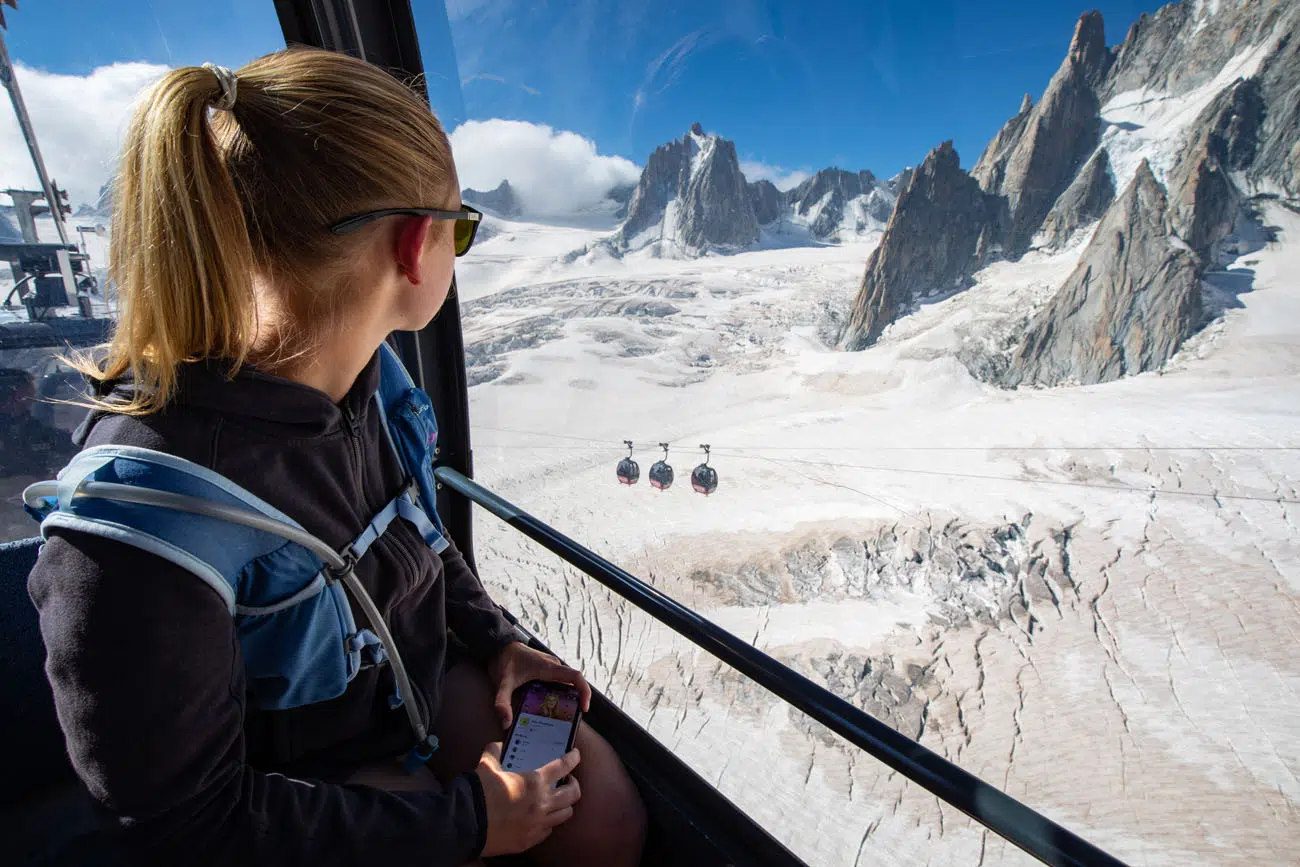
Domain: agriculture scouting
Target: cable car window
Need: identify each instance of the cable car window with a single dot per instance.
(861, 250)
(973, 326)
(69, 91)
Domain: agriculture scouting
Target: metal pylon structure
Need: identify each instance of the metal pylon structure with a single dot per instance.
(10, 83)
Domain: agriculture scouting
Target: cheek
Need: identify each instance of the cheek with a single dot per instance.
(444, 266)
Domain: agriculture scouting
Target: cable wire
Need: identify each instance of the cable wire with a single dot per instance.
(751, 453)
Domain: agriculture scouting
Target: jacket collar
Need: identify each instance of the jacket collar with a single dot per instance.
(258, 398)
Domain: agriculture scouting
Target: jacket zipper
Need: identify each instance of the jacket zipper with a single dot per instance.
(354, 437)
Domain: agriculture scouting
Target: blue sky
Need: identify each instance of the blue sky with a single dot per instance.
(799, 85)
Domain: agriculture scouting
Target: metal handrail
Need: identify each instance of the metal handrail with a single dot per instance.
(992, 808)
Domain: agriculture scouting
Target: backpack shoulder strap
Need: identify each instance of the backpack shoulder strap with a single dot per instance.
(412, 430)
(105, 491)
(257, 559)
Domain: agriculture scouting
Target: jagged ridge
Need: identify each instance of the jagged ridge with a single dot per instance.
(1045, 169)
(934, 238)
(1130, 302)
(693, 192)
(502, 201)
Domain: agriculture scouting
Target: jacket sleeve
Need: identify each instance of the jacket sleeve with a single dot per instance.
(148, 682)
(471, 613)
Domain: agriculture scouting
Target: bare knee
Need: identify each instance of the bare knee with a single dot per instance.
(614, 832)
(608, 826)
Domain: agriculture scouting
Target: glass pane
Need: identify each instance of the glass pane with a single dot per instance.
(77, 86)
(1004, 429)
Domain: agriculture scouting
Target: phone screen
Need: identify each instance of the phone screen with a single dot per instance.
(546, 719)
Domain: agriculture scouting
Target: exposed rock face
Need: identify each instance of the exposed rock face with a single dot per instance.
(1135, 293)
(693, 192)
(1129, 304)
(1277, 159)
(103, 206)
(622, 195)
(898, 182)
(1203, 200)
(932, 242)
(1083, 202)
(502, 201)
(765, 199)
(1184, 45)
(837, 183)
(665, 176)
(1054, 138)
(991, 168)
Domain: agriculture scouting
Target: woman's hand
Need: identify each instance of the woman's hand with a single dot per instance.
(523, 809)
(517, 663)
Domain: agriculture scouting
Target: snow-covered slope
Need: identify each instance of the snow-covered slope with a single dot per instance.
(1092, 578)
(1150, 124)
(1085, 595)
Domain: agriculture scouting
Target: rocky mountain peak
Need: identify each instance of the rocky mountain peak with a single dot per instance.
(837, 183)
(934, 240)
(1184, 45)
(1131, 301)
(1036, 154)
(1026, 105)
(898, 182)
(501, 201)
(833, 199)
(691, 196)
(1088, 47)
(1082, 203)
(1134, 294)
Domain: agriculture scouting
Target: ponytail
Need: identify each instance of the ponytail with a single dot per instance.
(212, 190)
(180, 254)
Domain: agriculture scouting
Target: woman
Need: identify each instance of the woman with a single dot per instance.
(247, 343)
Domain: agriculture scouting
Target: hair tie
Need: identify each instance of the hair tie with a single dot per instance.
(229, 86)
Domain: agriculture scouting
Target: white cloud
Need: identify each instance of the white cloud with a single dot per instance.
(757, 170)
(554, 173)
(79, 122)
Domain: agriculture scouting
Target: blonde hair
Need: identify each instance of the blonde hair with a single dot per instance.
(204, 200)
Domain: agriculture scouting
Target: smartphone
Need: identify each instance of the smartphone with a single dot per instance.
(546, 717)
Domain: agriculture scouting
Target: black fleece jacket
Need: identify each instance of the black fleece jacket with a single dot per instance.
(149, 681)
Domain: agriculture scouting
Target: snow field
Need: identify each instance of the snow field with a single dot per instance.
(1141, 689)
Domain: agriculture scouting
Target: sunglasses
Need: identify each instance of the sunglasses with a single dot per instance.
(467, 220)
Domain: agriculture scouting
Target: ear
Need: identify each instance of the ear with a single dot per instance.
(408, 247)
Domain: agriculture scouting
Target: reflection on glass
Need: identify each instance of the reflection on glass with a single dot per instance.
(979, 357)
(978, 317)
(69, 92)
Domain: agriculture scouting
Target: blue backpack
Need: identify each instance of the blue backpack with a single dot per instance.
(283, 587)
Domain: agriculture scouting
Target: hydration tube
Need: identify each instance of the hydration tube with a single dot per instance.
(341, 566)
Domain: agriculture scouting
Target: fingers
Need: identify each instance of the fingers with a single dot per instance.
(567, 795)
(503, 703)
(492, 752)
(584, 690)
(564, 674)
(554, 771)
(559, 817)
